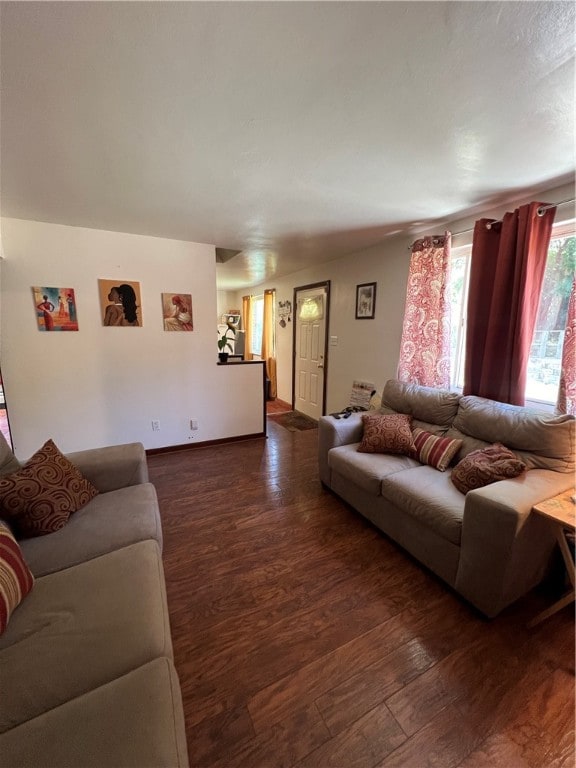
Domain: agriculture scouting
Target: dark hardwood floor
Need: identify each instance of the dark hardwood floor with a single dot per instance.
(277, 406)
(304, 637)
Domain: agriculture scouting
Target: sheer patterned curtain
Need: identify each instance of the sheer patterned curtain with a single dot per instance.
(247, 325)
(567, 390)
(268, 339)
(425, 345)
(506, 274)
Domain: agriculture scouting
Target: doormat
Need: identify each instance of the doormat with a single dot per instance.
(294, 421)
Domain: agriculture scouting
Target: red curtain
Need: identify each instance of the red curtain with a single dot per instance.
(506, 273)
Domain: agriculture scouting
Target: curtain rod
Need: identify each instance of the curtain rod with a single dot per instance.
(540, 212)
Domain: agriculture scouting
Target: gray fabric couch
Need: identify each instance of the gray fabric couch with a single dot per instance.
(86, 666)
(486, 544)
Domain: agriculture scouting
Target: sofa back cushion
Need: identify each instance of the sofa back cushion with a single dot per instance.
(541, 440)
(427, 405)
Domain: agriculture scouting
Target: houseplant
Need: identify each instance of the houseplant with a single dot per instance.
(224, 341)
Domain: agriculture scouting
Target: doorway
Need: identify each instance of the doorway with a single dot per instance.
(310, 355)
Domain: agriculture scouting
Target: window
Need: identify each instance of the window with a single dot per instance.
(458, 292)
(257, 322)
(546, 352)
(543, 375)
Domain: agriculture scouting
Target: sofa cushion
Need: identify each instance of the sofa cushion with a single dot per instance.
(81, 628)
(468, 445)
(8, 462)
(16, 580)
(386, 433)
(430, 497)
(425, 404)
(486, 466)
(366, 470)
(541, 440)
(110, 521)
(40, 497)
(435, 451)
(134, 721)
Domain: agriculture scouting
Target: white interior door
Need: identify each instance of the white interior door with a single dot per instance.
(309, 351)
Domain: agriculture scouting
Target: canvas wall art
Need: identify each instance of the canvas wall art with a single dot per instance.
(55, 309)
(120, 302)
(177, 311)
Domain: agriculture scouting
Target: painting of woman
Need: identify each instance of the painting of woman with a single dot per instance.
(120, 303)
(46, 308)
(177, 312)
(55, 308)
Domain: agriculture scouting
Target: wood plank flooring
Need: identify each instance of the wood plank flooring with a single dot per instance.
(304, 637)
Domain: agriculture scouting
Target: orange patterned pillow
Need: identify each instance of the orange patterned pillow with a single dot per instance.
(485, 466)
(16, 580)
(40, 497)
(387, 433)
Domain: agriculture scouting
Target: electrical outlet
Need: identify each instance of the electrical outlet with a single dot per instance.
(155, 426)
(193, 423)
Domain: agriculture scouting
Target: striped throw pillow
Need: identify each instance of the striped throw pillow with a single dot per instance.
(436, 451)
(16, 580)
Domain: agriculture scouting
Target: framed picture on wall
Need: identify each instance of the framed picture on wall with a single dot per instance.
(365, 301)
(120, 302)
(55, 308)
(177, 311)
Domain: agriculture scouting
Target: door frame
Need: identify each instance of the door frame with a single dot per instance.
(326, 285)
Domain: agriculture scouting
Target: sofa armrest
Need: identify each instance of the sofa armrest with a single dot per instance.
(112, 467)
(505, 548)
(333, 433)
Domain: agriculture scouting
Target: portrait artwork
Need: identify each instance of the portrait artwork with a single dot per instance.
(55, 309)
(177, 311)
(120, 303)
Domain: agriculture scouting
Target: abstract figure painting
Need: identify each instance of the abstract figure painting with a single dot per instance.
(177, 311)
(120, 302)
(55, 309)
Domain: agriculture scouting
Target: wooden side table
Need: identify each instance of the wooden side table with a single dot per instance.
(561, 511)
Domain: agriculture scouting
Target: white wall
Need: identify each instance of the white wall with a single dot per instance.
(369, 349)
(225, 301)
(102, 385)
(106, 385)
(365, 349)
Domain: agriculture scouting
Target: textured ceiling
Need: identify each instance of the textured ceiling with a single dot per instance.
(291, 132)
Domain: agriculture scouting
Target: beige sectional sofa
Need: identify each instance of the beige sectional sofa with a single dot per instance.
(486, 544)
(86, 668)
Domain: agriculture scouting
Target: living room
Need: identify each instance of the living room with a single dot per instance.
(75, 211)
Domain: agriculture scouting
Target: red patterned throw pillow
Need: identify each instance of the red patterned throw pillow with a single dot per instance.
(488, 465)
(40, 497)
(387, 433)
(16, 580)
(435, 451)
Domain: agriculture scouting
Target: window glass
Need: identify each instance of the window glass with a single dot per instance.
(545, 358)
(458, 292)
(311, 308)
(257, 321)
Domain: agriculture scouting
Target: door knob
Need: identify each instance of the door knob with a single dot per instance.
(320, 365)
